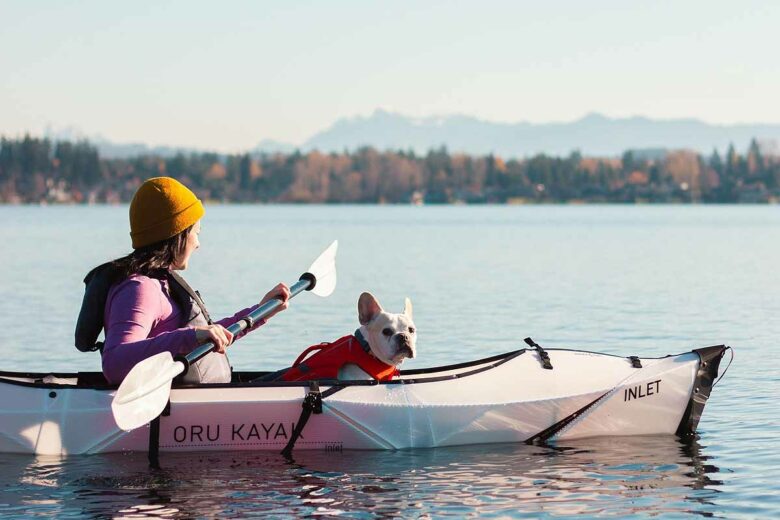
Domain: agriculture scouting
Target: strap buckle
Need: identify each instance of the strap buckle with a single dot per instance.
(313, 400)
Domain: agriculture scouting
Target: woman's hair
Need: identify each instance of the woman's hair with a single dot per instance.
(153, 259)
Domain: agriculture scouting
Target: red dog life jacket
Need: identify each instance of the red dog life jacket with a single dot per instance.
(330, 357)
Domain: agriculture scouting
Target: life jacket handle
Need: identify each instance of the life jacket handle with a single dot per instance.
(306, 352)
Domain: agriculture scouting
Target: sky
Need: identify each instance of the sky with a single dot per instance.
(226, 75)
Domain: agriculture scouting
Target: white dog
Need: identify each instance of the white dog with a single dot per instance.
(391, 337)
(374, 351)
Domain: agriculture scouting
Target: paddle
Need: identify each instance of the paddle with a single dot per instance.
(143, 394)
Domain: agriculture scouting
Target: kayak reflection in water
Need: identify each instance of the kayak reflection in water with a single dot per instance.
(144, 306)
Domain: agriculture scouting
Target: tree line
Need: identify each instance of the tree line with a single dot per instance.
(34, 170)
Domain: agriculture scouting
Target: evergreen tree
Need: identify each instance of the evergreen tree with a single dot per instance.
(715, 162)
(245, 172)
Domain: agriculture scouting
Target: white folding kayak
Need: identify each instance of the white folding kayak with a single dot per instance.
(530, 395)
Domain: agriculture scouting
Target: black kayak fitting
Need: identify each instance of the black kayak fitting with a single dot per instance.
(544, 357)
(709, 361)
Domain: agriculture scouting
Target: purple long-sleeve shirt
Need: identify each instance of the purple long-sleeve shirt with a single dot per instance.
(141, 320)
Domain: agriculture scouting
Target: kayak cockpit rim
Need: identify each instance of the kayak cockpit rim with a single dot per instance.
(95, 381)
(247, 379)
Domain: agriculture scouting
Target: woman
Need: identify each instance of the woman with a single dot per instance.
(149, 308)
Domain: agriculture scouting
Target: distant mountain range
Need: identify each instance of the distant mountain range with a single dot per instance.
(593, 135)
(111, 150)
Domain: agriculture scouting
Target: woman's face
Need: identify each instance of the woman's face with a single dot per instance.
(192, 244)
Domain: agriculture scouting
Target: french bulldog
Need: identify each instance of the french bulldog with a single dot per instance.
(391, 337)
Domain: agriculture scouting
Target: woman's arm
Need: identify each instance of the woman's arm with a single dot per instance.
(132, 311)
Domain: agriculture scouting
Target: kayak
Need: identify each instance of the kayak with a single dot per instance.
(530, 395)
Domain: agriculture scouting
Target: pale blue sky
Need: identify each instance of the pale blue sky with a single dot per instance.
(225, 75)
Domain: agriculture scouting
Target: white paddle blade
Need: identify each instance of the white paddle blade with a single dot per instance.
(143, 394)
(324, 269)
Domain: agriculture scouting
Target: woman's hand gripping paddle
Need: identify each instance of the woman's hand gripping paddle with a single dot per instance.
(143, 394)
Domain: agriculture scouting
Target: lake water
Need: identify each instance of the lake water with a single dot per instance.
(628, 280)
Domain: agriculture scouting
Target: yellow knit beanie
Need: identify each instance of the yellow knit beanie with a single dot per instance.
(161, 208)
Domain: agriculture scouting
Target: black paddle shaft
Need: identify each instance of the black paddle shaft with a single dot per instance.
(305, 283)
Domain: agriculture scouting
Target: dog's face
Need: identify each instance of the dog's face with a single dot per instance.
(392, 337)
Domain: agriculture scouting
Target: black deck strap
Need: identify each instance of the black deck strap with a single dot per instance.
(271, 376)
(543, 355)
(154, 443)
(154, 437)
(332, 390)
(543, 436)
(635, 362)
(312, 403)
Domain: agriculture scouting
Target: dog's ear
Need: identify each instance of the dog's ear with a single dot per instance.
(408, 308)
(368, 308)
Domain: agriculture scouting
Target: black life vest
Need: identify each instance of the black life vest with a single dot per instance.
(90, 321)
(212, 368)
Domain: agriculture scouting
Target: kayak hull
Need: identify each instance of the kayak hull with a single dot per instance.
(506, 398)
